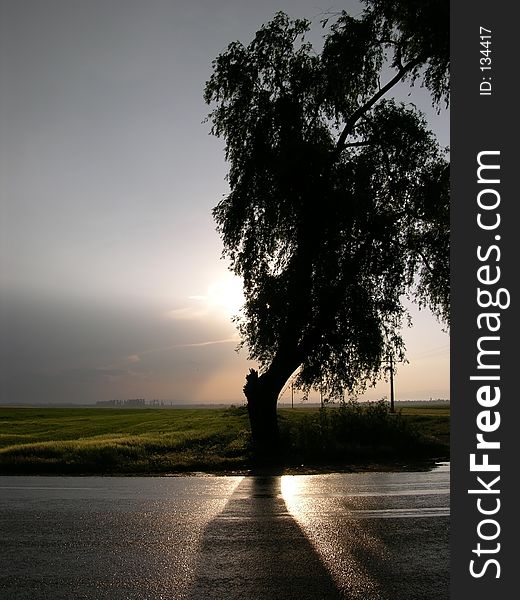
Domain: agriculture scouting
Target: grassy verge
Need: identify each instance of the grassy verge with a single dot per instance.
(121, 441)
(159, 441)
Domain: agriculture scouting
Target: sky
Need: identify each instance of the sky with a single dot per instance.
(112, 285)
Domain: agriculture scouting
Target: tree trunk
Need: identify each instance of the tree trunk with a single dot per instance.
(262, 399)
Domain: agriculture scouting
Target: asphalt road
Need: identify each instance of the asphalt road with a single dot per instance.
(370, 536)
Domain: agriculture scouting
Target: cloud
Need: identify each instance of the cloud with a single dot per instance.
(137, 357)
(231, 340)
(57, 350)
(200, 308)
(121, 366)
(189, 313)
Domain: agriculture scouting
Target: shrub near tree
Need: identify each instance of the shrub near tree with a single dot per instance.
(339, 196)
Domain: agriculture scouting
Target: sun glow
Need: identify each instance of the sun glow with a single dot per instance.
(223, 297)
(226, 294)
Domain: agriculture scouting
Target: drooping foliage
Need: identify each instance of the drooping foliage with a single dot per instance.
(338, 202)
(418, 30)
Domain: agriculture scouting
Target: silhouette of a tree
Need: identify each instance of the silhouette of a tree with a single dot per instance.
(338, 202)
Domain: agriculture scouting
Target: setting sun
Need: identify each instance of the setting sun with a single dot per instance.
(226, 293)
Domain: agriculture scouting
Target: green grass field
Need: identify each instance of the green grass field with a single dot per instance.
(160, 441)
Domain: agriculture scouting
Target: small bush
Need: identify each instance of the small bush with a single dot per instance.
(354, 432)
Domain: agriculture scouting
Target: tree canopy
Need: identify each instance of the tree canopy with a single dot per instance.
(339, 197)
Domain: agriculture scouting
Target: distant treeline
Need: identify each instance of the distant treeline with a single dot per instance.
(130, 402)
(142, 402)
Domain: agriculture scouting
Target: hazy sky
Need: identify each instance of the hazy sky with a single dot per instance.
(111, 280)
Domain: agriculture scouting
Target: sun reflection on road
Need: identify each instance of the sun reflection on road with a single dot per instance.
(309, 501)
(291, 487)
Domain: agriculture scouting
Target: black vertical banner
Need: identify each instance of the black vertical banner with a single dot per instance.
(485, 269)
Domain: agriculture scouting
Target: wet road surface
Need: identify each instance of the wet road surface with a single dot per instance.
(364, 536)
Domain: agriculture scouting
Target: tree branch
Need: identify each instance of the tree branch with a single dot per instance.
(361, 110)
(425, 262)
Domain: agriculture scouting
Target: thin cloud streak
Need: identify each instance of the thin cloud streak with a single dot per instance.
(190, 345)
(137, 357)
